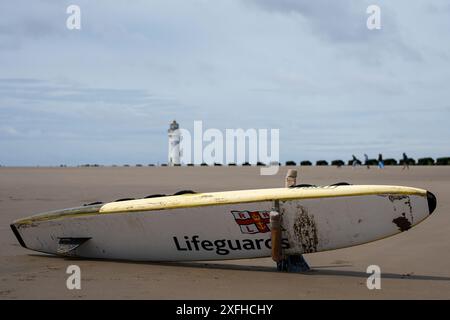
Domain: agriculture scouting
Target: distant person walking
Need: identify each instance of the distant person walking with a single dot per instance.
(366, 161)
(405, 162)
(356, 161)
(380, 161)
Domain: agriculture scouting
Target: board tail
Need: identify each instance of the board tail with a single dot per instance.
(67, 246)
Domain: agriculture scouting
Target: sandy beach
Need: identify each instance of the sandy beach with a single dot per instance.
(414, 264)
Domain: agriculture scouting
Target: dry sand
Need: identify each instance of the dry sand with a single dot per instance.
(414, 264)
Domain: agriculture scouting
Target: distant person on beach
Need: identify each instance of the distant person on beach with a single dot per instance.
(380, 161)
(356, 161)
(366, 161)
(405, 161)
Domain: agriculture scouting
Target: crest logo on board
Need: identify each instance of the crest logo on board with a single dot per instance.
(252, 222)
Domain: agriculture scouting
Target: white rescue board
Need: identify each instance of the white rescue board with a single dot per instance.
(227, 225)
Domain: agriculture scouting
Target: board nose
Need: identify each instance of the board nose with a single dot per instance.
(432, 202)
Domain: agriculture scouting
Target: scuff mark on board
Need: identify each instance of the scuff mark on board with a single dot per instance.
(393, 198)
(405, 200)
(305, 230)
(402, 223)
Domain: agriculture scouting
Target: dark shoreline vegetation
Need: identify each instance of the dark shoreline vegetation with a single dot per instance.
(428, 161)
(444, 161)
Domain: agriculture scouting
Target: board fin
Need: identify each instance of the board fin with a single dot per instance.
(67, 246)
(293, 263)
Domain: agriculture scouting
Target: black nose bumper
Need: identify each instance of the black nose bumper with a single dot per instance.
(431, 202)
(18, 236)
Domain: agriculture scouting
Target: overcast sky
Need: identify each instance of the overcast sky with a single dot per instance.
(107, 93)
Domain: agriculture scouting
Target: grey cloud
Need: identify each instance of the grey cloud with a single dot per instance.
(38, 109)
(335, 20)
(39, 90)
(32, 27)
(10, 81)
(437, 7)
(344, 24)
(23, 21)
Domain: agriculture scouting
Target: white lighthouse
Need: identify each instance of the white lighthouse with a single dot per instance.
(174, 144)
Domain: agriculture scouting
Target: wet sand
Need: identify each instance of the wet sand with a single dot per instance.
(414, 264)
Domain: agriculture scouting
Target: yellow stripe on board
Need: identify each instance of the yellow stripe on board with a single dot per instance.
(258, 195)
(227, 197)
